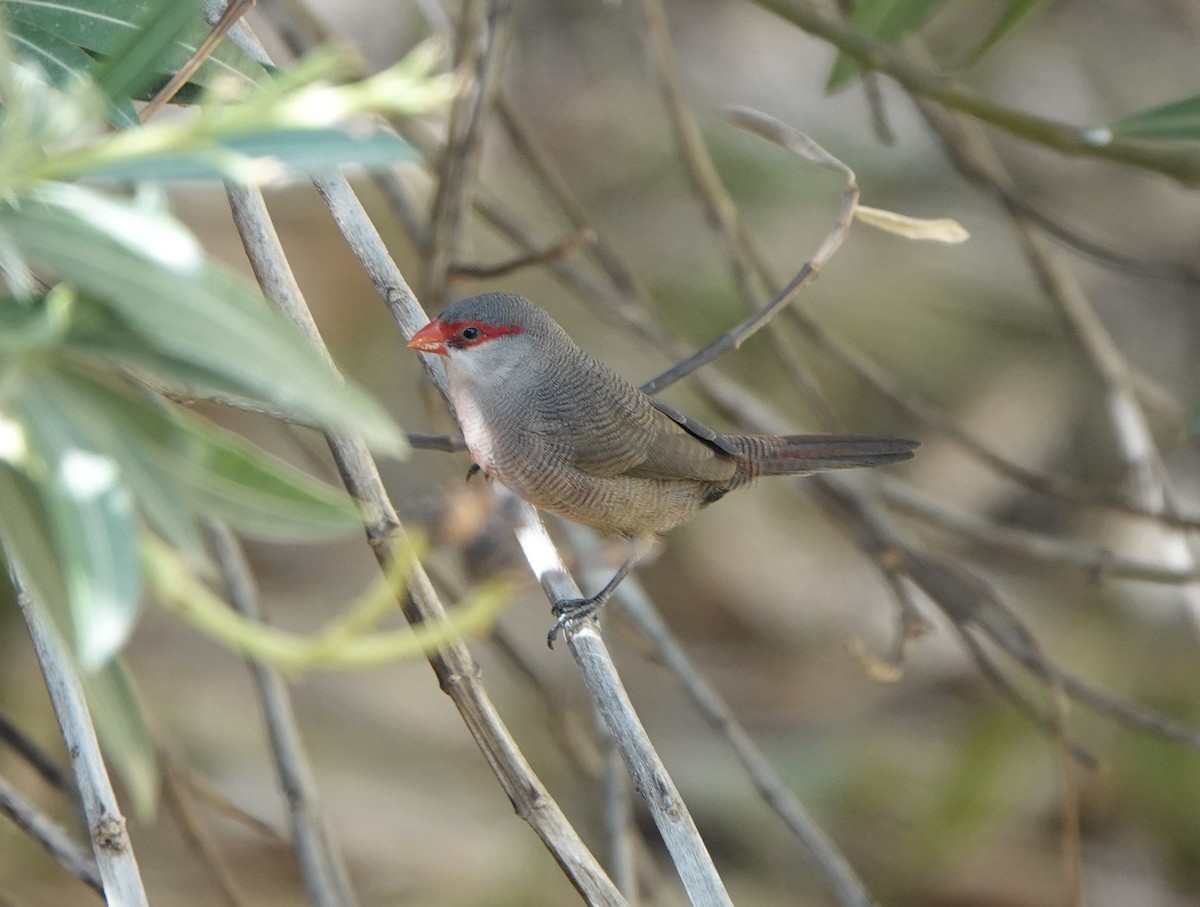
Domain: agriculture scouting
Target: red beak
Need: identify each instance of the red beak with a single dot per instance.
(431, 338)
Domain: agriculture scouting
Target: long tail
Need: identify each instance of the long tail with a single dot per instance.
(782, 455)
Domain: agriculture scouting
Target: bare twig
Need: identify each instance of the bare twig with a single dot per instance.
(50, 836)
(1094, 561)
(321, 866)
(177, 794)
(480, 44)
(849, 889)
(230, 16)
(1178, 160)
(746, 261)
(1149, 483)
(650, 777)
(34, 755)
(115, 860)
(550, 253)
(799, 144)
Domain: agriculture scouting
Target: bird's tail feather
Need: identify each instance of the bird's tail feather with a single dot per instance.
(781, 455)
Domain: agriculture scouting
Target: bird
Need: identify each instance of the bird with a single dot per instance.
(571, 436)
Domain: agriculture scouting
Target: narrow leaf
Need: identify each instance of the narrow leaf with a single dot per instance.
(144, 52)
(1178, 119)
(92, 524)
(884, 20)
(1015, 14)
(214, 471)
(942, 229)
(290, 153)
(29, 544)
(101, 26)
(63, 63)
(121, 727)
(151, 272)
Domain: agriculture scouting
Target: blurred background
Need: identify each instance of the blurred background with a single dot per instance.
(938, 790)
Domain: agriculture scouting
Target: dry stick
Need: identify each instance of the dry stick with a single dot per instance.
(970, 602)
(1178, 160)
(202, 789)
(196, 835)
(1094, 561)
(37, 758)
(482, 38)
(722, 212)
(542, 256)
(454, 666)
(849, 889)
(912, 403)
(991, 672)
(115, 860)
(321, 865)
(650, 778)
(871, 89)
(230, 16)
(49, 835)
(1151, 487)
(800, 144)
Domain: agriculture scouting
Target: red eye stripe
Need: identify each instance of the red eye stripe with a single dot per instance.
(465, 334)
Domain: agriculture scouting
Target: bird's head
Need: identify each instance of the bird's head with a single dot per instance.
(494, 328)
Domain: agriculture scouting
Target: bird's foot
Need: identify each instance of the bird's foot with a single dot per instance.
(571, 610)
(472, 470)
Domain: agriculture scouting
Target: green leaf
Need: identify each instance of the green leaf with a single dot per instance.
(153, 275)
(299, 152)
(214, 472)
(143, 53)
(121, 727)
(63, 62)
(1178, 120)
(28, 541)
(884, 20)
(1015, 14)
(101, 27)
(90, 514)
(1193, 424)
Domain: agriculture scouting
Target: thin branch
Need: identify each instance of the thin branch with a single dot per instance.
(177, 794)
(481, 41)
(1178, 160)
(1151, 487)
(849, 889)
(1094, 561)
(50, 836)
(650, 777)
(970, 602)
(745, 259)
(321, 866)
(37, 758)
(231, 15)
(847, 886)
(115, 860)
(803, 146)
(543, 256)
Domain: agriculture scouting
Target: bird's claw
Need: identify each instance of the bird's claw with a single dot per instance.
(569, 611)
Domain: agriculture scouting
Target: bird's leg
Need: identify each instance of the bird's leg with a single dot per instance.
(570, 610)
(472, 470)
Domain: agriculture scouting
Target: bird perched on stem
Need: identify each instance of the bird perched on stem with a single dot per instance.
(569, 435)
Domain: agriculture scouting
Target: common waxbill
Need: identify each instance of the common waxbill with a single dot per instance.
(568, 434)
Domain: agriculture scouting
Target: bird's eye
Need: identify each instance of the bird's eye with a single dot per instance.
(470, 332)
